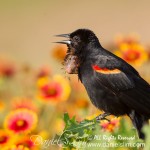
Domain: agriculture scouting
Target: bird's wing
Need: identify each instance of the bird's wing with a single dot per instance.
(119, 77)
(138, 98)
(111, 74)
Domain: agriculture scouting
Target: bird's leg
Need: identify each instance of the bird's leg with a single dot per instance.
(103, 116)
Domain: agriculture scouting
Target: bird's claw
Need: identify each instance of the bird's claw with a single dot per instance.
(103, 117)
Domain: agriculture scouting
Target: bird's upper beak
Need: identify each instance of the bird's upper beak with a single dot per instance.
(63, 35)
(68, 42)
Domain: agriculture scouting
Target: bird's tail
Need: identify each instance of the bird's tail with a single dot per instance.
(138, 121)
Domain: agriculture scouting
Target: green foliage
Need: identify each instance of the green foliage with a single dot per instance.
(146, 130)
(88, 135)
(76, 133)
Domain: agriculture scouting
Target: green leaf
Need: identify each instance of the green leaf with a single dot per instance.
(66, 117)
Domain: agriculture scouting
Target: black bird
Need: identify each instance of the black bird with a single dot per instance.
(112, 84)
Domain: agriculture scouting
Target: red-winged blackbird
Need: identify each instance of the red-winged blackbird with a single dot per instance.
(112, 84)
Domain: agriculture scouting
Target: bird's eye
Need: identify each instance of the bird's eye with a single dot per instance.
(76, 38)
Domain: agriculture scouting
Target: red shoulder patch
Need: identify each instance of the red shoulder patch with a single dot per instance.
(105, 70)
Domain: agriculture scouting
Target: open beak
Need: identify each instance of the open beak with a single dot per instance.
(68, 42)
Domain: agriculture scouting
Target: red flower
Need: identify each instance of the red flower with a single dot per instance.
(53, 90)
(5, 138)
(21, 120)
(7, 69)
(133, 53)
(110, 126)
(26, 142)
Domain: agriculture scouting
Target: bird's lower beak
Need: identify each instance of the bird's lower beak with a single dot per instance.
(68, 42)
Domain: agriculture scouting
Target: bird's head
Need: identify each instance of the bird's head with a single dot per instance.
(80, 41)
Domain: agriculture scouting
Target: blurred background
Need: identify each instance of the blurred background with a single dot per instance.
(34, 89)
(27, 27)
